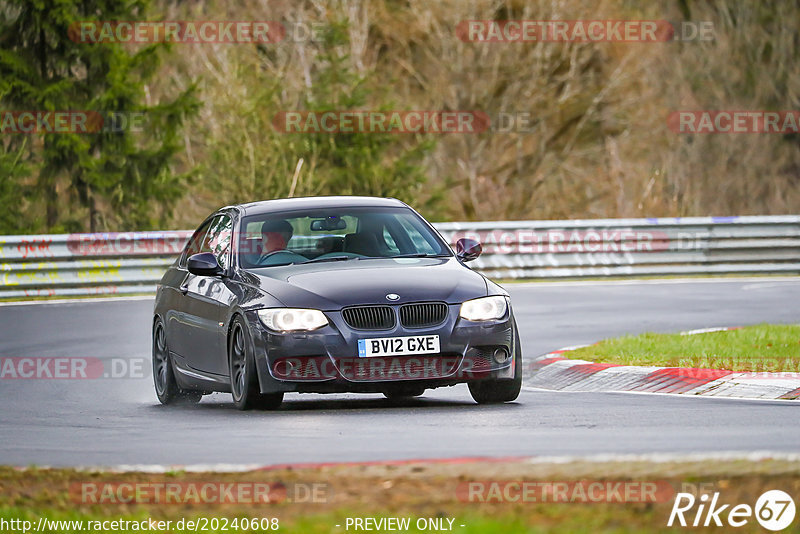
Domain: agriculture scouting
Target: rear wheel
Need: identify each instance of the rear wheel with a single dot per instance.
(167, 389)
(500, 390)
(244, 380)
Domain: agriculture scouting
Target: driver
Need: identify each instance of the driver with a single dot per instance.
(275, 236)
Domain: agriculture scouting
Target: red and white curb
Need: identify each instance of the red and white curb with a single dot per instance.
(554, 371)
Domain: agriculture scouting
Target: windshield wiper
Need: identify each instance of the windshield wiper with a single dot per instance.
(329, 258)
(420, 255)
(345, 258)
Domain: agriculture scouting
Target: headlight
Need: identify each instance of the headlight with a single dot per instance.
(484, 309)
(292, 319)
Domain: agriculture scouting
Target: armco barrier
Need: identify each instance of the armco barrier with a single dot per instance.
(120, 263)
(86, 264)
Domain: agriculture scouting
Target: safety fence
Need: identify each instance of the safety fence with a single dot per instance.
(128, 263)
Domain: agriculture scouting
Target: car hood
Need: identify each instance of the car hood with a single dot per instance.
(334, 285)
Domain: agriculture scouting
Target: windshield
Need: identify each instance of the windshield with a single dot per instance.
(340, 234)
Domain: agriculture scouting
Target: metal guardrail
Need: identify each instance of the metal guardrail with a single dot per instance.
(86, 264)
(125, 263)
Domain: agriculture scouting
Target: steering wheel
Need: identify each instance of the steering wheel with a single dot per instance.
(261, 259)
(268, 254)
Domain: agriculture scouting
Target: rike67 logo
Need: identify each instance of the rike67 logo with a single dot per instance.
(774, 510)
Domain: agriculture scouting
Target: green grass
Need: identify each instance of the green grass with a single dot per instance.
(417, 491)
(760, 348)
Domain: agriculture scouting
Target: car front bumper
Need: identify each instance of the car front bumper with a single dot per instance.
(326, 359)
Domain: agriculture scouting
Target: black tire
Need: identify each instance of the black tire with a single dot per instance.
(244, 379)
(406, 392)
(500, 390)
(167, 389)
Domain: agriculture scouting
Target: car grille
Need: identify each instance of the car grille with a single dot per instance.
(480, 358)
(423, 314)
(481, 362)
(369, 317)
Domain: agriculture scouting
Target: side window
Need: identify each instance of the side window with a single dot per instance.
(195, 245)
(218, 241)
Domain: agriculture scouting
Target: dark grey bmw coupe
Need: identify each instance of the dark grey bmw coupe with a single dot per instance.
(329, 295)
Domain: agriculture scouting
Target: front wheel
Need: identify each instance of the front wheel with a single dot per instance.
(500, 390)
(167, 389)
(244, 380)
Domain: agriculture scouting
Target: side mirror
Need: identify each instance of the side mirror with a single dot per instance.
(468, 249)
(204, 264)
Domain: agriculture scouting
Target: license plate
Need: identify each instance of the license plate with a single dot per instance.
(397, 346)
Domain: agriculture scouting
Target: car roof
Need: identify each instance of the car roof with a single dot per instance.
(299, 203)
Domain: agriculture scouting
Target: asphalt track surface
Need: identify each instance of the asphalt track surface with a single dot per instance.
(109, 422)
